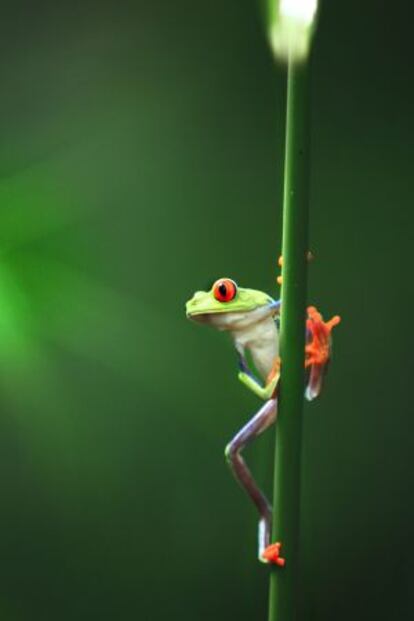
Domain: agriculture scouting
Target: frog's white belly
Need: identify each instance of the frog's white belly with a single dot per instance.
(261, 339)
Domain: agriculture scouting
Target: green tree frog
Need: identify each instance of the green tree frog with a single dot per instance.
(251, 318)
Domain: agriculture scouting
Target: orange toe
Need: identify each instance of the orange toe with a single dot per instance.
(271, 554)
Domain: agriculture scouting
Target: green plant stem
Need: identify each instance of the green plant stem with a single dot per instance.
(284, 581)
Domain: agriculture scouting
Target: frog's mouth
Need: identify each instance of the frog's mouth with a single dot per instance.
(233, 320)
(203, 316)
(199, 312)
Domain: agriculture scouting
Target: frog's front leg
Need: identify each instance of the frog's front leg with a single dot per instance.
(248, 379)
(259, 423)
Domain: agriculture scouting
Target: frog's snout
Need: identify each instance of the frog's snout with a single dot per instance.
(193, 302)
(197, 296)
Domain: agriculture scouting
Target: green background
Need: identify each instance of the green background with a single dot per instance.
(139, 160)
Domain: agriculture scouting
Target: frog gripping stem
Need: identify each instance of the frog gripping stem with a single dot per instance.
(264, 418)
(272, 554)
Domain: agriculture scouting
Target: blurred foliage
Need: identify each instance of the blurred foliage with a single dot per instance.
(139, 160)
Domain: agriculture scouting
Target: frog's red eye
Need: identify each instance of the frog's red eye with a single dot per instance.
(224, 290)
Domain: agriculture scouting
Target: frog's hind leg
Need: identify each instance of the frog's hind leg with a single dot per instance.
(259, 423)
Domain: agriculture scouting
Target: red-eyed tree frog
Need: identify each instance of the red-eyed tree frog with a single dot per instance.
(251, 318)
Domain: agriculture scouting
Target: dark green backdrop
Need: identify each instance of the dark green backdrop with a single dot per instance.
(139, 160)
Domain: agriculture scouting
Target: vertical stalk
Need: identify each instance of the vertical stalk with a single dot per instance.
(284, 581)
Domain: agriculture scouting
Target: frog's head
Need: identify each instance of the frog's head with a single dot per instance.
(226, 305)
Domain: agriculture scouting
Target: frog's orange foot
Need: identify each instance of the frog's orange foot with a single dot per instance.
(275, 370)
(271, 554)
(317, 351)
(280, 263)
(316, 355)
(279, 279)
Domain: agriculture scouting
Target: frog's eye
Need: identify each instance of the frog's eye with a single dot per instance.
(224, 290)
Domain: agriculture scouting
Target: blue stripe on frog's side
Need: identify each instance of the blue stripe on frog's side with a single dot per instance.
(275, 305)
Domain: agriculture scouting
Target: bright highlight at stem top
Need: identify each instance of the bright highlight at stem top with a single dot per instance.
(291, 28)
(301, 10)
